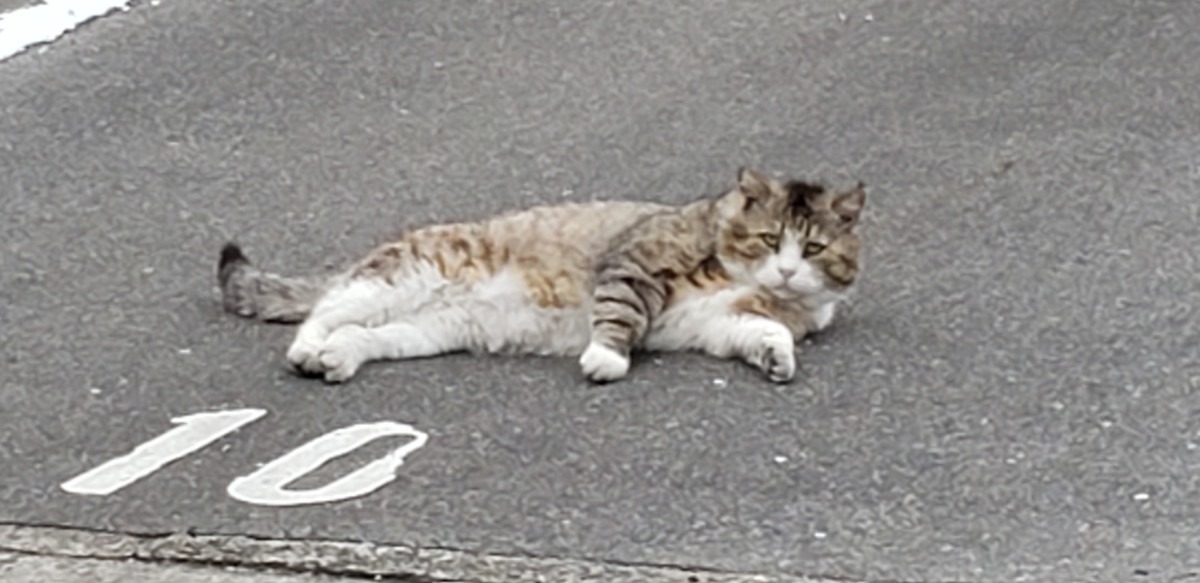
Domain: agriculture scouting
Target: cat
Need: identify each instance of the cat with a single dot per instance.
(744, 274)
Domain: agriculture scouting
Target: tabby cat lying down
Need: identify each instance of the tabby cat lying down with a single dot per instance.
(745, 274)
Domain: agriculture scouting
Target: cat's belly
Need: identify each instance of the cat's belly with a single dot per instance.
(505, 318)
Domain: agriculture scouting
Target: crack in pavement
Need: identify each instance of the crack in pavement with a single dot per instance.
(417, 564)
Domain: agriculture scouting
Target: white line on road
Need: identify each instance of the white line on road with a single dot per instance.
(41, 23)
(192, 433)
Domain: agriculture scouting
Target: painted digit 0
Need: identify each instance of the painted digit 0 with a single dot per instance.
(265, 486)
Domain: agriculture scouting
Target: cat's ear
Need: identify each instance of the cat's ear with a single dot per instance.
(848, 205)
(755, 186)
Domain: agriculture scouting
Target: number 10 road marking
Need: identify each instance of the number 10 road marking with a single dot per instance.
(266, 485)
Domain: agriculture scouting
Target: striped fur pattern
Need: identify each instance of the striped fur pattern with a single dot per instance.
(741, 275)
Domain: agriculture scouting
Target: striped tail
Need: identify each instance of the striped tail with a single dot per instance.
(252, 293)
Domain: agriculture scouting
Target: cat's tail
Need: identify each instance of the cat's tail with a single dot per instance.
(252, 293)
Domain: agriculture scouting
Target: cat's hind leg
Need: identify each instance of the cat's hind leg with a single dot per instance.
(393, 284)
(360, 302)
(352, 345)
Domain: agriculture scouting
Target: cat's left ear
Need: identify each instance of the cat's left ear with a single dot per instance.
(848, 205)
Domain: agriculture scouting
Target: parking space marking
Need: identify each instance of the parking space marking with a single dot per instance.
(266, 486)
(193, 432)
(46, 22)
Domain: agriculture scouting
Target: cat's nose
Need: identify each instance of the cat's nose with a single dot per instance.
(787, 272)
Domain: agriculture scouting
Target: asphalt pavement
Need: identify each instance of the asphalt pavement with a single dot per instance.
(1011, 396)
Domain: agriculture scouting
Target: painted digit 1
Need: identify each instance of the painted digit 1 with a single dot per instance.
(194, 432)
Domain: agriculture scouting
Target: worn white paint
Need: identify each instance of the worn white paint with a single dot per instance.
(40, 23)
(193, 432)
(265, 486)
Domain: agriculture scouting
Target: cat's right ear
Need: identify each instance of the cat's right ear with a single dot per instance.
(754, 186)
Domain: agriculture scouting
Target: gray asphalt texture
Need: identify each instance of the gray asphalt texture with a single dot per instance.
(1012, 395)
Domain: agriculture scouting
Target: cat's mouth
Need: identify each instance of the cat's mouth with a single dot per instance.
(788, 291)
(805, 286)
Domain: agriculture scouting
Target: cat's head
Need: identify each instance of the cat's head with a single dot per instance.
(792, 238)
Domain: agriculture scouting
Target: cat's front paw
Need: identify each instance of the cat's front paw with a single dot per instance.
(304, 353)
(602, 364)
(338, 363)
(342, 354)
(778, 357)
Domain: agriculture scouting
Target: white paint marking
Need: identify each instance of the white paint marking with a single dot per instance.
(41, 23)
(265, 486)
(194, 432)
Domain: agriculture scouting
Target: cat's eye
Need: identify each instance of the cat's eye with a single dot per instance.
(771, 239)
(812, 248)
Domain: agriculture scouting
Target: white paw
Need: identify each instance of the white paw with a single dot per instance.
(303, 354)
(602, 364)
(342, 354)
(778, 358)
(823, 315)
(339, 363)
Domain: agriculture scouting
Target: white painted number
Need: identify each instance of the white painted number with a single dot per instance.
(266, 485)
(193, 433)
